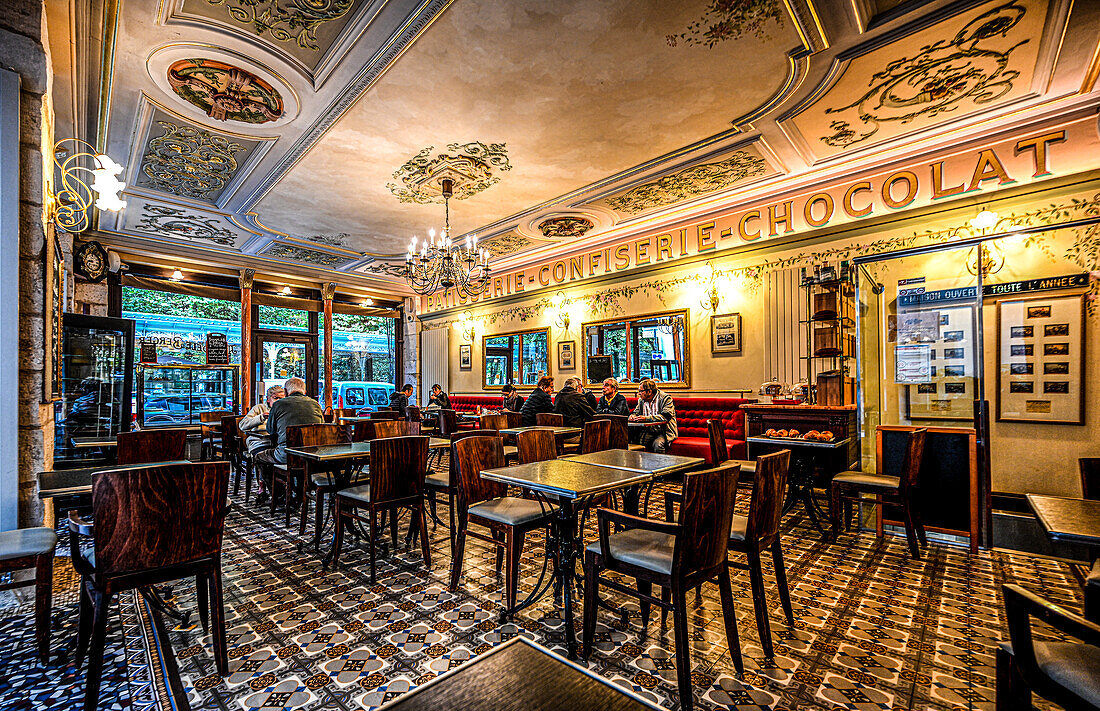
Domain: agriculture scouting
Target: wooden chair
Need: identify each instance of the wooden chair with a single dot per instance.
(210, 425)
(395, 428)
(448, 423)
(486, 503)
(549, 419)
(719, 453)
(1063, 672)
(397, 467)
(230, 449)
(385, 415)
(147, 446)
(247, 464)
(497, 421)
(676, 556)
(535, 446)
(362, 431)
(153, 524)
(447, 482)
(515, 419)
(344, 412)
(314, 479)
(848, 486)
(1090, 477)
(26, 548)
(596, 436)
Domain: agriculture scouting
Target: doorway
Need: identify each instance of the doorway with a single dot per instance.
(280, 355)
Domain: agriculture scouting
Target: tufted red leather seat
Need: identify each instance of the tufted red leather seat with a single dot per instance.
(692, 414)
(469, 403)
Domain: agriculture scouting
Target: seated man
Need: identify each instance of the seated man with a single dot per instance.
(512, 399)
(572, 405)
(539, 400)
(296, 408)
(399, 399)
(439, 398)
(612, 402)
(255, 433)
(657, 407)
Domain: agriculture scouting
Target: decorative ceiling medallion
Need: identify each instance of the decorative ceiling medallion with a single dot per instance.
(730, 19)
(472, 166)
(174, 222)
(687, 183)
(936, 80)
(301, 254)
(225, 92)
(565, 227)
(190, 162)
(287, 20)
(507, 243)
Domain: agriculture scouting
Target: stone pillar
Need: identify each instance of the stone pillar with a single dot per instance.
(246, 279)
(328, 290)
(411, 332)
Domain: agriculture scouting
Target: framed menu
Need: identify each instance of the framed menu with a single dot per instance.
(936, 350)
(1040, 360)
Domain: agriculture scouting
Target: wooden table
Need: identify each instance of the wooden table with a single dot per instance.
(558, 431)
(1068, 520)
(804, 458)
(66, 489)
(349, 450)
(94, 442)
(519, 675)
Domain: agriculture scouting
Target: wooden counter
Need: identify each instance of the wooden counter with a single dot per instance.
(838, 419)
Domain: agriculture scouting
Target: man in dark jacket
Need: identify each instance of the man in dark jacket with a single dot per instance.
(572, 405)
(296, 408)
(399, 400)
(612, 402)
(540, 400)
(439, 397)
(512, 399)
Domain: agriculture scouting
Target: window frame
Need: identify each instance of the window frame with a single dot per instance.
(485, 384)
(631, 324)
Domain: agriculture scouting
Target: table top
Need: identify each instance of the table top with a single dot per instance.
(74, 482)
(1068, 520)
(350, 450)
(90, 442)
(519, 675)
(799, 442)
(558, 431)
(353, 418)
(642, 462)
(566, 478)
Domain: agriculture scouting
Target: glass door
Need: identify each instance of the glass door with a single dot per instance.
(279, 356)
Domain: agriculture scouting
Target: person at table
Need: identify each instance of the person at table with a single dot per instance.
(588, 396)
(612, 401)
(439, 398)
(655, 406)
(296, 408)
(572, 405)
(540, 400)
(399, 399)
(513, 401)
(255, 433)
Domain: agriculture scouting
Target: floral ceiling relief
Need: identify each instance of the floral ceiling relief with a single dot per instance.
(295, 21)
(225, 92)
(302, 254)
(565, 227)
(190, 162)
(690, 182)
(472, 166)
(174, 222)
(505, 244)
(387, 268)
(339, 239)
(974, 61)
(730, 19)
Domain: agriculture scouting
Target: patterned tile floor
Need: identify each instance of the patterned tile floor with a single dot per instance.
(874, 629)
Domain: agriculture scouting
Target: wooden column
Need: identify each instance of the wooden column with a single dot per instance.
(246, 278)
(328, 290)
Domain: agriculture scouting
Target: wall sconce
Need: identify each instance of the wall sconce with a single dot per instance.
(285, 291)
(177, 275)
(711, 298)
(988, 257)
(466, 327)
(69, 206)
(561, 306)
(368, 302)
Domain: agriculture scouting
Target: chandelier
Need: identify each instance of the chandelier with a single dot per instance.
(443, 265)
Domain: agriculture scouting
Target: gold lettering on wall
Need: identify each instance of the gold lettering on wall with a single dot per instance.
(777, 218)
(938, 191)
(1038, 147)
(988, 167)
(863, 186)
(641, 252)
(742, 232)
(664, 247)
(704, 240)
(808, 212)
(911, 186)
(622, 257)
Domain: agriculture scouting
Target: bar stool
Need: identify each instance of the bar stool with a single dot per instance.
(32, 548)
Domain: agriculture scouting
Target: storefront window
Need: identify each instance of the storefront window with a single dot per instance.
(278, 318)
(650, 346)
(363, 363)
(516, 358)
(178, 323)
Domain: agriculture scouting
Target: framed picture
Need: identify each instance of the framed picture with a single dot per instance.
(725, 333)
(1046, 381)
(465, 357)
(946, 390)
(567, 351)
(54, 305)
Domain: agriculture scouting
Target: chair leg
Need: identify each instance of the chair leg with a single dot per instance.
(425, 545)
(237, 474)
(781, 580)
(272, 492)
(834, 509)
(918, 523)
(217, 612)
(370, 544)
(729, 618)
(302, 508)
(338, 538)
(286, 498)
(666, 598)
(451, 520)
(84, 625)
(760, 603)
(646, 588)
(513, 541)
(43, 601)
(910, 530)
(393, 532)
(95, 652)
(248, 470)
(456, 557)
(683, 647)
(202, 588)
(592, 603)
(1013, 693)
(318, 511)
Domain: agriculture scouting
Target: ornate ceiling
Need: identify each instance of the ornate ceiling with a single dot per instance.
(312, 136)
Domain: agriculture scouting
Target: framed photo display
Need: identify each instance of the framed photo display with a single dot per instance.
(567, 351)
(934, 359)
(725, 333)
(1041, 359)
(465, 358)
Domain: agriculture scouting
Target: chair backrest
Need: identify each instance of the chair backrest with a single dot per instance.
(769, 491)
(158, 515)
(536, 446)
(448, 422)
(230, 442)
(515, 419)
(316, 435)
(494, 422)
(385, 415)
(914, 455)
(211, 416)
(1090, 477)
(412, 413)
(462, 434)
(346, 411)
(146, 446)
(363, 431)
(596, 436)
(383, 429)
(719, 452)
(619, 435)
(397, 468)
(471, 455)
(705, 517)
(549, 419)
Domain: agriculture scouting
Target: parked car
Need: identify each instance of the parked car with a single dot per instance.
(365, 395)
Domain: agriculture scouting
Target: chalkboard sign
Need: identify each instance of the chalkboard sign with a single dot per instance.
(148, 352)
(217, 349)
(599, 368)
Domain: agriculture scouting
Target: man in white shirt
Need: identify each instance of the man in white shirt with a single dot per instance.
(657, 407)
